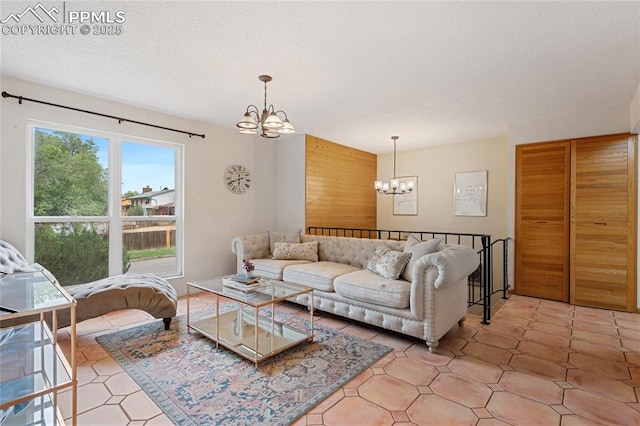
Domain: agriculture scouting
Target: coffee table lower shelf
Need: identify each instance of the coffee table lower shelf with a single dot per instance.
(237, 331)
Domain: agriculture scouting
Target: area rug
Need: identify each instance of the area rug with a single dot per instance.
(195, 383)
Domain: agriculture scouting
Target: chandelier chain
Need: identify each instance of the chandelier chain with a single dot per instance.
(265, 95)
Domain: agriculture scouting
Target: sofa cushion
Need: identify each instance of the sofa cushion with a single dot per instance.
(365, 286)
(319, 275)
(272, 269)
(287, 237)
(388, 263)
(296, 251)
(348, 250)
(417, 248)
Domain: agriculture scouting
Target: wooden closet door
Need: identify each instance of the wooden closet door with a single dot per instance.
(542, 220)
(603, 222)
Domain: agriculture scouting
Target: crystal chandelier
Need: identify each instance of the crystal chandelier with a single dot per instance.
(395, 186)
(269, 124)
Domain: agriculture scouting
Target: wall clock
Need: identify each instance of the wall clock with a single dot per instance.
(237, 179)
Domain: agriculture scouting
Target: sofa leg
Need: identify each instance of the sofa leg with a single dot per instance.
(461, 321)
(167, 323)
(432, 346)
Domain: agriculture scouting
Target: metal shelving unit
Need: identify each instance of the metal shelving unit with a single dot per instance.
(33, 367)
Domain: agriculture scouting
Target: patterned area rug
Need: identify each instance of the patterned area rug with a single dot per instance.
(195, 383)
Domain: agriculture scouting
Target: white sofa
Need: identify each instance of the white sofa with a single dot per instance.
(429, 301)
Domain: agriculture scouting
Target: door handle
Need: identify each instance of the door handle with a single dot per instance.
(599, 223)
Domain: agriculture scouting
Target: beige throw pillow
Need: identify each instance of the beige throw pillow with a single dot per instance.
(287, 237)
(388, 263)
(417, 248)
(299, 251)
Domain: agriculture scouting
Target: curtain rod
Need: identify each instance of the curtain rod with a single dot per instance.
(120, 119)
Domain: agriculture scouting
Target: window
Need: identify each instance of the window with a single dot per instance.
(151, 238)
(103, 205)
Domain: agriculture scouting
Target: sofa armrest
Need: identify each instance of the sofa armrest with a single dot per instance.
(250, 247)
(453, 263)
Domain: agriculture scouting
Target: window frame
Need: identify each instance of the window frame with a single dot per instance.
(114, 217)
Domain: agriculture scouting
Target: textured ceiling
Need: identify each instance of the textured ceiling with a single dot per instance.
(352, 72)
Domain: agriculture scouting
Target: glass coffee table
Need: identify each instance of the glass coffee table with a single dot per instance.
(245, 330)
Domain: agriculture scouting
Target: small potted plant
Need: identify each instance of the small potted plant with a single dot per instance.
(247, 267)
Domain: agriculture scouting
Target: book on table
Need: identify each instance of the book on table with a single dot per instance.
(245, 293)
(231, 282)
(244, 279)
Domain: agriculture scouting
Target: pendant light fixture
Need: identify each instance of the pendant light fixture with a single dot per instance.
(269, 124)
(394, 186)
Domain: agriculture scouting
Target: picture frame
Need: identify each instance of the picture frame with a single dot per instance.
(470, 193)
(406, 204)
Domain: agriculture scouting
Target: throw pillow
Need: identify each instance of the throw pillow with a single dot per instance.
(388, 263)
(287, 237)
(417, 248)
(296, 251)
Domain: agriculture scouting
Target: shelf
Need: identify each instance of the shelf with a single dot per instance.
(30, 364)
(238, 333)
(33, 366)
(37, 411)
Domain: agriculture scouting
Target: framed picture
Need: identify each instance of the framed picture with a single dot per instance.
(470, 193)
(407, 204)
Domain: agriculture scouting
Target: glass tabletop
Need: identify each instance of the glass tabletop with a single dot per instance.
(28, 293)
(267, 292)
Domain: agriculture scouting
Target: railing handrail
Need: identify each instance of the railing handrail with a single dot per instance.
(397, 231)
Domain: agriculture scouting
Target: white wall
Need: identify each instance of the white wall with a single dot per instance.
(291, 183)
(436, 168)
(587, 123)
(212, 214)
(594, 122)
(634, 112)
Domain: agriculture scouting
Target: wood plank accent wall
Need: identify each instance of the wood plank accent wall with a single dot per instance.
(339, 185)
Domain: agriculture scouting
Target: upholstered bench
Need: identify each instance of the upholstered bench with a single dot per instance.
(146, 292)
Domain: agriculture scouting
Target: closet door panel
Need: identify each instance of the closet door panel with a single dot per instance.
(602, 222)
(542, 264)
(542, 199)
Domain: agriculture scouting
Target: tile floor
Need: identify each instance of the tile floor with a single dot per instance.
(538, 362)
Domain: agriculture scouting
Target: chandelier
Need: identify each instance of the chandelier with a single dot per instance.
(269, 124)
(395, 186)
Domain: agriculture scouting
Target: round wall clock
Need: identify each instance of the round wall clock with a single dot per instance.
(237, 179)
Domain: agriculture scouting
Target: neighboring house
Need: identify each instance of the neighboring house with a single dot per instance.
(153, 203)
(125, 206)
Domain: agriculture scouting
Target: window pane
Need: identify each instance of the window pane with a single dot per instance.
(70, 174)
(74, 252)
(148, 180)
(151, 246)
